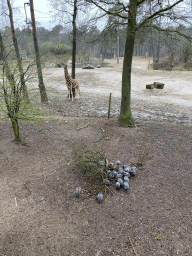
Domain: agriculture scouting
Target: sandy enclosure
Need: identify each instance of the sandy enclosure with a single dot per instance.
(171, 103)
(39, 213)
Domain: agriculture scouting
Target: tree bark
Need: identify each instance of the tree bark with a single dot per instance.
(21, 73)
(42, 89)
(74, 38)
(118, 47)
(15, 126)
(14, 102)
(125, 117)
(74, 42)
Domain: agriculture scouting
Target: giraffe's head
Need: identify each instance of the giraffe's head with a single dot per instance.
(63, 63)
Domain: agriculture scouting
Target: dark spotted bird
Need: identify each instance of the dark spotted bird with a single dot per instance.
(127, 168)
(118, 163)
(119, 175)
(110, 165)
(126, 179)
(120, 170)
(77, 191)
(134, 168)
(120, 181)
(126, 186)
(111, 175)
(133, 171)
(118, 185)
(126, 174)
(100, 198)
(115, 174)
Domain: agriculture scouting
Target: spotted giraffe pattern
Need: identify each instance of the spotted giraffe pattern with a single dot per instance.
(71, 83)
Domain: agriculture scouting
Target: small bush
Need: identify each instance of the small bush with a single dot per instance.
(93, 163)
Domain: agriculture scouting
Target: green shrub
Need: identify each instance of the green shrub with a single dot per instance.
(93, 163)
(50, 47)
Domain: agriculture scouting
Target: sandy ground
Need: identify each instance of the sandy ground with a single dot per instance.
(174, 102)
(39, 213)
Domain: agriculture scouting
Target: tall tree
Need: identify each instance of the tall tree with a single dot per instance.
(11, 92)
(74, 37)
(21, 73)
(67, 12)
(69, 8)
(42, 89)
(128, 11)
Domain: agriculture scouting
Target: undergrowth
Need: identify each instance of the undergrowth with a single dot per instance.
(93, 163)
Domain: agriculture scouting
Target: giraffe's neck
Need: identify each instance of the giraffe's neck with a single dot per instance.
(66, 71)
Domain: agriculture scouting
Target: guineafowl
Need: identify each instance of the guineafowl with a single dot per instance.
(111, 175)
(100, 198)
(126, 174)
(127, 168)
(110, 165)
(115, 174)
(120, 170)
(126, 179)
(117, 184)
(118, 163)
(133, 171)
(77, 191)
(126, 186)
(120, 181)
(107, 182)
(119, 175)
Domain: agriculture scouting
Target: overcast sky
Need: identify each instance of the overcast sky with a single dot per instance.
(42, 15)
(42, 11)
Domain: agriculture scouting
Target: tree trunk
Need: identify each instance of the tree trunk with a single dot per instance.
(74, 42)
(15, 126)
(74, 38)
(42, 89)
(21, 74)
(13, 104)
(125, 117)
(117, 47)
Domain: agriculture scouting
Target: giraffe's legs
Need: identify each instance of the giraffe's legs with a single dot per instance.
(78, 93)
(71, 93)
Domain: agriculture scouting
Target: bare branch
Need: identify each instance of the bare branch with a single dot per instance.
(157, 13)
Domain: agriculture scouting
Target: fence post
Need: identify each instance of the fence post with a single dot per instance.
(109, 106)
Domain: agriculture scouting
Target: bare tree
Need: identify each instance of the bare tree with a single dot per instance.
(137, 14)
(42, 89)
(67, 12)
(11, 92)
(21, 73)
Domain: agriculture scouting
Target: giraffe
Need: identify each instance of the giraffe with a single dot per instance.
(71, 83)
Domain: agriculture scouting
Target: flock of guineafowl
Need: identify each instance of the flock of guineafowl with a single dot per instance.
(120, 174)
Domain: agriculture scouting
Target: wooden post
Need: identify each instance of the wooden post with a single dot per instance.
(109, 106)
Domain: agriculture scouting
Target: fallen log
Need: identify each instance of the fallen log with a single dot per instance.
(149, 86)
(156, 85)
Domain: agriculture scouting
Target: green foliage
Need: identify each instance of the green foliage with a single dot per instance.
(84, 235)
(83, 209)
(159, 237)
(92, 162)
(31, 112)
(50, 47)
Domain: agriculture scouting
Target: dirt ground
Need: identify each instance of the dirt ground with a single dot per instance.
(39, 213)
